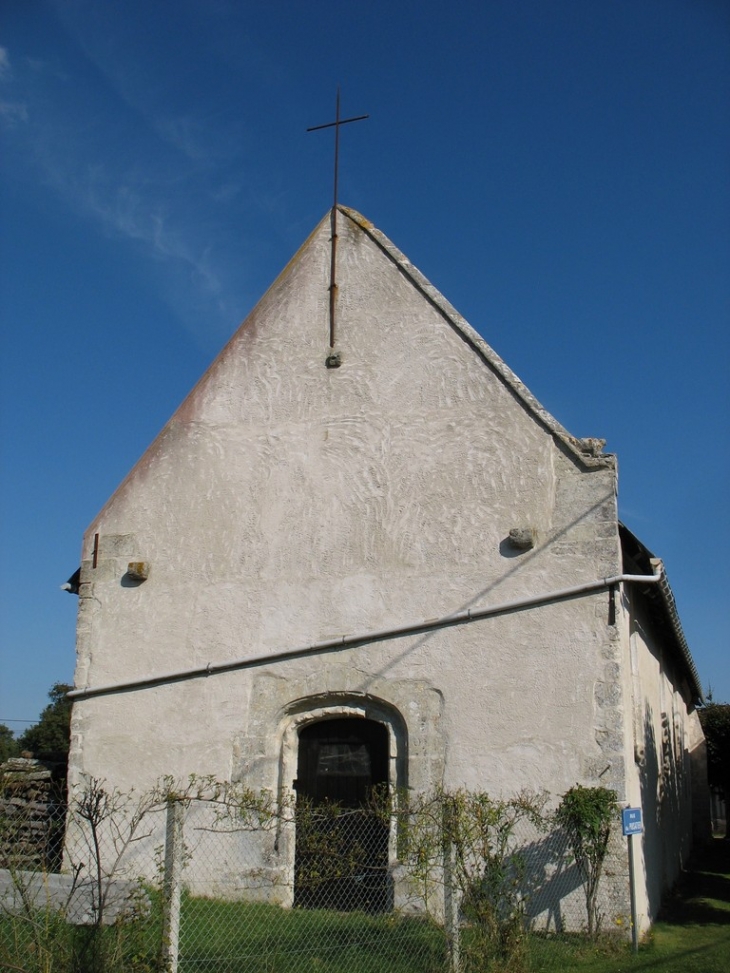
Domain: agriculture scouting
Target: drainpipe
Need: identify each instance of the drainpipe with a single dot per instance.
(345, 641)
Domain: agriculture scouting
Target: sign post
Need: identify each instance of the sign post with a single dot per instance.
(632, 825)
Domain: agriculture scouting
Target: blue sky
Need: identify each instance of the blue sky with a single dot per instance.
(559, 169)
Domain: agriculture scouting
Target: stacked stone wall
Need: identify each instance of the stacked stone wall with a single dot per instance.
(32, 814)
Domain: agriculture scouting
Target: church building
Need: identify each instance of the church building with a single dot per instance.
(360, 526)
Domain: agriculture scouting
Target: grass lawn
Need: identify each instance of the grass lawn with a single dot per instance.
(692, 936)
(268, 939)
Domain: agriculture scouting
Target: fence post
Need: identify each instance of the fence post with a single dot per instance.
(172, 885)
(451, 897)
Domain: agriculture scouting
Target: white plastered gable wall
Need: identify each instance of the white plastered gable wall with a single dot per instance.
(286, 503)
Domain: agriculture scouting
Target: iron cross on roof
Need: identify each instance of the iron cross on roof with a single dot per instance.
(336, 125)
(333, 359)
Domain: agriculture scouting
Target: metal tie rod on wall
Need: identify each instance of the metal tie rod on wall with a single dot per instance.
(345, 641)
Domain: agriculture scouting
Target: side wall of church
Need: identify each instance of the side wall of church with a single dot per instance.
(664, 765)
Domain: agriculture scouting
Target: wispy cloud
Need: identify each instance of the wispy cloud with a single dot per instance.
(173, 169)
(189, 277)
(107, 43)
(11, 111)
(130, 212)
(148, 182)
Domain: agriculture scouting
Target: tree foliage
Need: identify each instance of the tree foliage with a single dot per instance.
(715, 720)
(50, 737)
(8, 743)
(587, 813)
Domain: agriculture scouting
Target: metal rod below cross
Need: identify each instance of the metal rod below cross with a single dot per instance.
(333, 259)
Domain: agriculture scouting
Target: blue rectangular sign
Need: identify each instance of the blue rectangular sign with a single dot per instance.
(631, 820)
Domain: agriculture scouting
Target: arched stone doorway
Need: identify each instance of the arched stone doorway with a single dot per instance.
(341, 858)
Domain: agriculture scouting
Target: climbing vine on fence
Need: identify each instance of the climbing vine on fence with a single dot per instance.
(463, 844)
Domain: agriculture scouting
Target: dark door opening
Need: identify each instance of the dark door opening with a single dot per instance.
(342, 838)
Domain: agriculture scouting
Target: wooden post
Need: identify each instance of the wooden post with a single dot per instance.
(451, 896)
(172, 885)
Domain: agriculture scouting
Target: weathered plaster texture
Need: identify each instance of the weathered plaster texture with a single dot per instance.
(287, 503)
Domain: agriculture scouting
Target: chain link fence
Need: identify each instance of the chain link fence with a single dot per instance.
(217, 878)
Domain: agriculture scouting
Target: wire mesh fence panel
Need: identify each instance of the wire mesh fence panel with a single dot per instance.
(297, 891)
(324, 887)
(68, 901)
(341, 860)
(179, 880)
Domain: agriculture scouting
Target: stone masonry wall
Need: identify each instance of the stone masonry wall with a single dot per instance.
(32, 814)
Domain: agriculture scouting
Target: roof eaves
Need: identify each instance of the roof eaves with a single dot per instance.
(663, 595)
(670, 607)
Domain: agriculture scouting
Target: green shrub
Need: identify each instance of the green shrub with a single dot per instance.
(587, 813)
